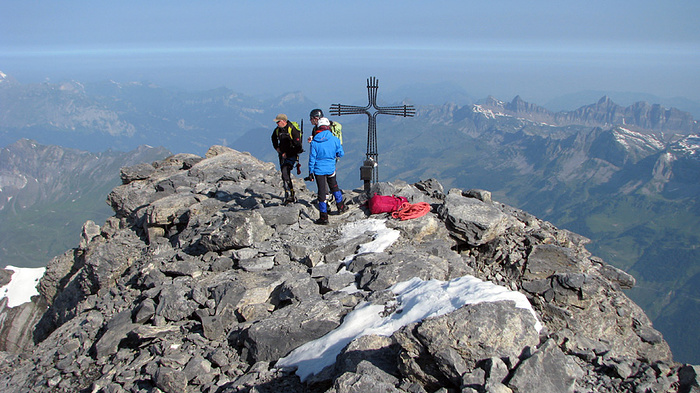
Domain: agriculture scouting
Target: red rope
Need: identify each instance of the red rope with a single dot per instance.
(408, 211)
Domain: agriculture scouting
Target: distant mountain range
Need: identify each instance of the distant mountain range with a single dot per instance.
(579, 99)
(123, 116)
(48, 192)
(628, 177)
(640, 116)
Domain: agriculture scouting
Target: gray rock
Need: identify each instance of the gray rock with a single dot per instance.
(146, 311)
(236, 230)
(689, 378)
(482, 195)
(298, 324)
(90, 231)
(339, 250)
(145, 333)
(379, 351)
(625, 280)
(231, 165)
(496, 370)
(257, 264)
(136, 172)
(115, 331)
(187, 267)
(17, 324)
(337, 281)
(571, 280)
(214, 327)
(473, 221)
(361, 383)
(420, 229)
(170, 209)
(297, 289)
(5, 276)
(382, 271)
(649, 334)
(174, 304)
(281, 215)
(495, 329)
(312, 259)
(537, 287)
(106, 262)
(549, 370)
(545, 260)
(170, 380)
(496, 387)
(198, 370)
(474, 379)
(432, 188)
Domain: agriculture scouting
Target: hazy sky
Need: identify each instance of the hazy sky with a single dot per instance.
(327, 50)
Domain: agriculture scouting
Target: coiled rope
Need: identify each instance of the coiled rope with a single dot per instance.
(408, 211)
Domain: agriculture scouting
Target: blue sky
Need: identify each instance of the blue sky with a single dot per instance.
(536, 49)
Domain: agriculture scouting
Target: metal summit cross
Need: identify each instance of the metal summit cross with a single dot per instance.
(369, 170)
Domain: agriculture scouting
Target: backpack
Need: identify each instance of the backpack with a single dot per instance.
(337, 130)
(298, 146)
(385, 203)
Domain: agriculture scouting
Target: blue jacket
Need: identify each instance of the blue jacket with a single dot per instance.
(325, 147)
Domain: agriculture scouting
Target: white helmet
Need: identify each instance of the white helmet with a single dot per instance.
(324, 122)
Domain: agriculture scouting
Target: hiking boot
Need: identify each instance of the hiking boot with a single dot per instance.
(290, 198)
(341, 207)
(323, 220)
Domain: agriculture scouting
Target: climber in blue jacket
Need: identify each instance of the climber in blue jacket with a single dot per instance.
(325, 150)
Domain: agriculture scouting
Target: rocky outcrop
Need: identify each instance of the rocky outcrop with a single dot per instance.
(203, 281)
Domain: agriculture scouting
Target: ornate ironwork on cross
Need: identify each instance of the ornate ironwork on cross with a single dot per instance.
(369, 171)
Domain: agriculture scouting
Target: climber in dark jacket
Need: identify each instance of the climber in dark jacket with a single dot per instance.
(286, 139)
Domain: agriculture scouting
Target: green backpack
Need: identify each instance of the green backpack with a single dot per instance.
(337, 130)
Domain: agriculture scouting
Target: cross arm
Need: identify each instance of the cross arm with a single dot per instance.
(339, 110)
(404, 110)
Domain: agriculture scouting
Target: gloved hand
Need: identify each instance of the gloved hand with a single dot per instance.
(298, 168)
(310, 177)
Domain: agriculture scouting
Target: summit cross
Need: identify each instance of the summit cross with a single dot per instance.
(369, 171)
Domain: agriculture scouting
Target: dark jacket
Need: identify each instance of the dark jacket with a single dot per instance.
(287, 139)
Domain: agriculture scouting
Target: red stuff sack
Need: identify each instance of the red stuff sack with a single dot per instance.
(385, 203)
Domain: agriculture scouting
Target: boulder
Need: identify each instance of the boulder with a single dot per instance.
(233, 230)
(473, 221)
(297, 324)
(548, 370)
(136, 172)
(440, 350)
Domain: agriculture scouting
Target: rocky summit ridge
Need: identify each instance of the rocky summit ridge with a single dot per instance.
(203, 280)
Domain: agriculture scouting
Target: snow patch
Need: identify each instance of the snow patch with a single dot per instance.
(689, 144)
(629, 138)
(488, 113)
(416, 300)
(383, 237)
(22, 286)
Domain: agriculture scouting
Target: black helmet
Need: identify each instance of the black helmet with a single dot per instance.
(316, 113)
